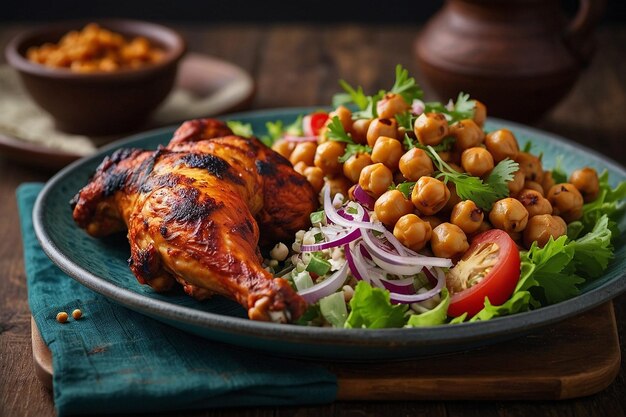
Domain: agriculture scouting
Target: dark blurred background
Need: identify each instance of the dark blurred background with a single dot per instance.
(270, 11)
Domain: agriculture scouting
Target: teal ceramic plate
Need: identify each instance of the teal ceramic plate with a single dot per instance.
(100, 264)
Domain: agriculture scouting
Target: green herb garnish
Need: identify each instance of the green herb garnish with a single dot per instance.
(240, 129)
(462, 108)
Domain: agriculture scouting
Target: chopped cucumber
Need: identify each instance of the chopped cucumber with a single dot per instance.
(317, 217)
(318, 266)
(302, 280)
(333, 308)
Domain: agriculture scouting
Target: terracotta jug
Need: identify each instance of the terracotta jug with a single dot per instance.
(519, 57)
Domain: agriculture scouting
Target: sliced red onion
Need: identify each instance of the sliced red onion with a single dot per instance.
(334, 217)
(364, 198)
(345, 239)
(408, 299)
(357, 271)
(375, 250)
(398, 246)
(291, 138)
(326, 287)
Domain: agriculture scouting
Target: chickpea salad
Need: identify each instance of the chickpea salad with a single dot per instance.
(428, 219)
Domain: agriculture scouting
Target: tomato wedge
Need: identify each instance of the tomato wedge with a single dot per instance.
(490, 268)
(313, 123)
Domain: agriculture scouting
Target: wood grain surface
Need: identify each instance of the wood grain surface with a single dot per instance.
(300, 65)
(556, 363)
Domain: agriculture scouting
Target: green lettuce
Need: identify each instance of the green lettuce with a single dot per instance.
(434, 317)
(372, 309)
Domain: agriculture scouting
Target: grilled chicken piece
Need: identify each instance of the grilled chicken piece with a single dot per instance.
(194, 211)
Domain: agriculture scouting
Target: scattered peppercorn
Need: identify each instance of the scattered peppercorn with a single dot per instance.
(77, 314)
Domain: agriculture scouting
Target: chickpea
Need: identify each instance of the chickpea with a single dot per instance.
(517, 183)
(547, 181)
(502, 144)
(359, 130)
(354, 165)
(477, 161)
(509, 215)
(540, 228)
(338, 184)
(530, 166)
(392, 205)
(448, 241)
(279, 252)
(416, 163)
(284, 147)
(456, 167)
(315, 177)
(300, 167)
(566, 201)
(467, 215)
(586, 181)
(534, 202)
(381, 127)
(305, 152)
(390, 105)
(533, 185)
(327, 157)
(467, 133)
(387, 151)
(434, 221)
(431, 128)
(480, 113)
(412, 232)
(430, 195)
(375, 179)
(345, 117)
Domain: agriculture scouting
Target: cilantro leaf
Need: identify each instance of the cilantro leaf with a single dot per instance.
(434, 317)
(501, 174)
(369, 112)
(336, 132)
(406, 86)
(405, 120)
(240, 129)
(463, 108)
(351, 95)
(295, 128)
(405, 188)
(371, 308)
(467, 186)
(353, 149)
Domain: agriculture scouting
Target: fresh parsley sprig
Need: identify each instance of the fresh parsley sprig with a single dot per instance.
(337, 133)
(468, 187)
(240, 129)
(462, 108)
(446, 144)
(406, 86)
(405, 188)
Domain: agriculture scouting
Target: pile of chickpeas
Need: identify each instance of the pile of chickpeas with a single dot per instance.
(434, 216)
(95, 49)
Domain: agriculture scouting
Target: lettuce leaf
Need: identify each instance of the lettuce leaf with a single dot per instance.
(434, 317)
(610, 202)
(519, 302)
(372, 309)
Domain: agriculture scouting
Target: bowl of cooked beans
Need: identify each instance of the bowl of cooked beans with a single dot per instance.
(98, 78)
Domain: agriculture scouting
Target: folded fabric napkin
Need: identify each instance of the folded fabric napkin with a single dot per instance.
(114, 360)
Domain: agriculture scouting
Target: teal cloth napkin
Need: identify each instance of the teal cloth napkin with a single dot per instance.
(114, 360)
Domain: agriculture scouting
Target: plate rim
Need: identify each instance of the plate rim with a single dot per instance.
(462, 333)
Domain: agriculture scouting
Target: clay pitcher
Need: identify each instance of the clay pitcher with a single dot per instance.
(519, 57)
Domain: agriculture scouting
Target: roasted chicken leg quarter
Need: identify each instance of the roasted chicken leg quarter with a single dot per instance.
(195, 211)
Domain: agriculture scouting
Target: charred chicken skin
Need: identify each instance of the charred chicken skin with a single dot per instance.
(195, 211)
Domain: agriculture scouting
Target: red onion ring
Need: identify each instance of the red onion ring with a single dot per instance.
(291, 138)
(364, 198)
(343, 240)
(326, 287)
(334, 217)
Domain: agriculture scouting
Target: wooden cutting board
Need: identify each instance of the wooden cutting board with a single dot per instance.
(574, 358)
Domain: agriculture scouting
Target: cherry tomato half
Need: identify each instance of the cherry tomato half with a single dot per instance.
(313, 123)
(489, 268)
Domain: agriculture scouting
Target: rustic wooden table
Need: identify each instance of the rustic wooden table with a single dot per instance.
(297, 65)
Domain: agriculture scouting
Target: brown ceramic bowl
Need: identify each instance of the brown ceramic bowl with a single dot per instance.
(99, 103)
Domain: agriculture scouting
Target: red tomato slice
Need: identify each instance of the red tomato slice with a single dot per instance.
(313, 123)
(490, 268)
